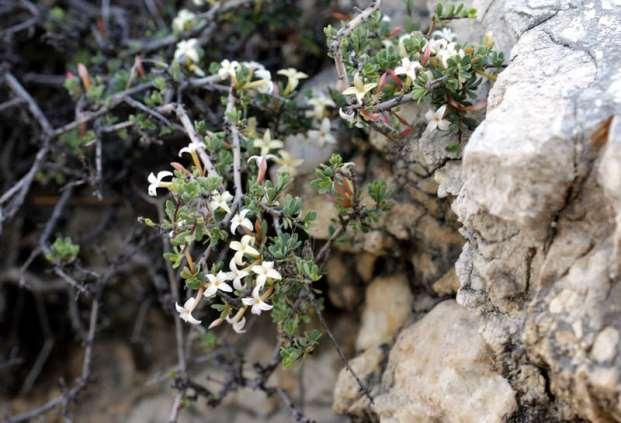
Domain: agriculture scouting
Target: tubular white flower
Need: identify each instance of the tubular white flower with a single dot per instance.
(220, 201)
(266, 143)
(228, 69)
(217, 282)
(257, 304)
(156, 181)
(288, 163)
(402, 50)
(408, 68)
(236, 275)
(263, 74)
(188, 49)
(359, 89)
(323, 135)
(293, 78)
(184, 21)
(264, 272)
(237, 324)
(444, 33)
(347, 117)
(245, 247)
(319, 103)
(436, 120)
(240, 219)
(259, 159)
(190, 148)
(185, 312)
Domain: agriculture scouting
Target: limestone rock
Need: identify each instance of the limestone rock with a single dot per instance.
(540, 209)
(388, 306)
(447, 284)
(365, 264)
(440, 370)
(342, 287)
(326, 212)
(348, 399)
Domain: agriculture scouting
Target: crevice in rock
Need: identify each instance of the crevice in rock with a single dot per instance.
(539, 22)
(572, 46)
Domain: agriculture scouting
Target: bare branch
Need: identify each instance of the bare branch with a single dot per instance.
(336, 44)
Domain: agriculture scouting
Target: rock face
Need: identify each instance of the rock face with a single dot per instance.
(440, 369)
(540, 209)
(535, 334)
(388, 307)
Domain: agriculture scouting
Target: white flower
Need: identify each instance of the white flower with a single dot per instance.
(287, 163)
(444, 33)
(237, 324)
(436, 45)
(185, 312)
(256, 302)
(264, 272)
(190, 148)
(436, 120)
(488, 39)
(267, 143)
(408, 68)
(220, 201)
(236, 275)
(323, 135)
(402, 50)
(449, 51)
(347, 117)
(293, 78)
(228, 69)
(386, 18)
(245, 247)
(319, 103)
(217, 282)
(156, 181)
(240, 219)
(254, 65)
(263, 74)
(264, 82)
(260, 159)
(388, 43)
(264, 86)
(184, 21)
(359, 89)
(188, 50)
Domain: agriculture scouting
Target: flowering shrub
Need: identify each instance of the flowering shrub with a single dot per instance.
(236, 232)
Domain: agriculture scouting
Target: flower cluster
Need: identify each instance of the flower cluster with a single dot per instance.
(387, 68)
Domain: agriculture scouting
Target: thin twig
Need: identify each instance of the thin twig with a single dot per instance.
(34, 108)
(361, 385)
(336, 44)
(189, 128)
(80, 382)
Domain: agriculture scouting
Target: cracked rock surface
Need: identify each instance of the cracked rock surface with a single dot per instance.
(535, 332)
(540, 211)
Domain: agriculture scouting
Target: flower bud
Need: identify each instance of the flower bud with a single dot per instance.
(488, 39)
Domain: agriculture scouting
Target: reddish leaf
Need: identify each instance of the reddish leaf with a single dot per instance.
(138, 66)
(406, 132)
(394, 31)
(426, 55)
(341, 16)
(180, 168)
